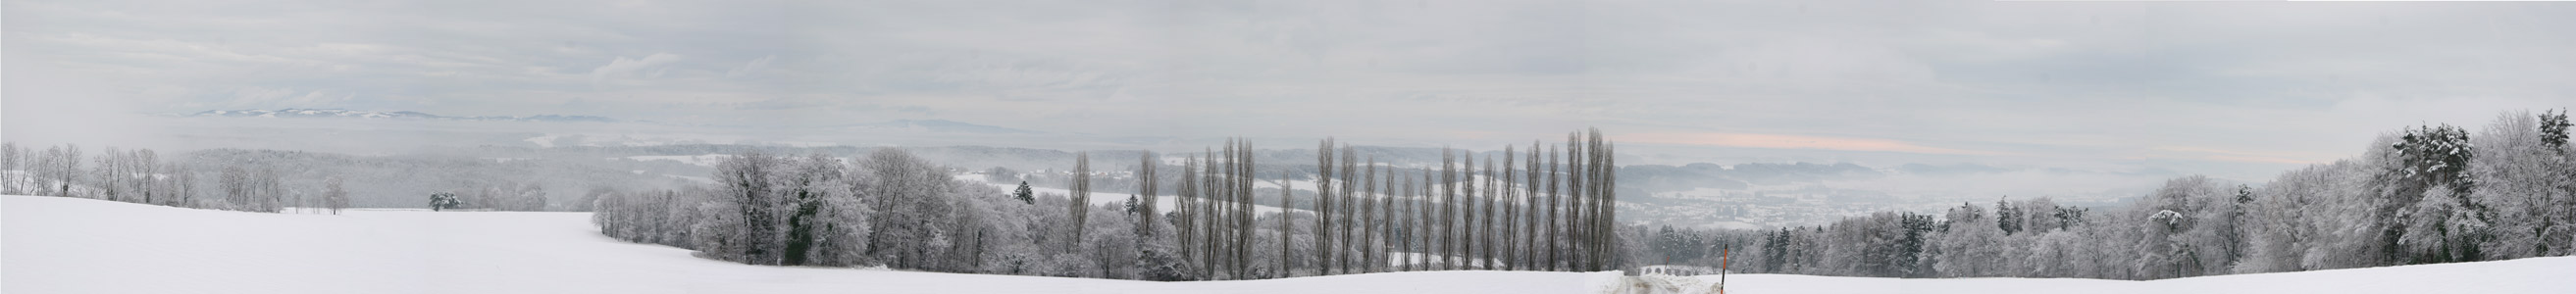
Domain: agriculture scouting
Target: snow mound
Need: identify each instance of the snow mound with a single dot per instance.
(69, 245)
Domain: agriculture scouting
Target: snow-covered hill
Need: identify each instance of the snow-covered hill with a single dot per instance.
(67, 245)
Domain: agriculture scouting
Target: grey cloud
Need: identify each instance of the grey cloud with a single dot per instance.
(648, 67)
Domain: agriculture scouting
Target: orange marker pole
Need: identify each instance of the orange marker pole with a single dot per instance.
(1722, 263)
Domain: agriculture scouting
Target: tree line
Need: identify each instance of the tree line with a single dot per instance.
(2427, 194)
(1552, 210)
(143, 176)
(261, 180)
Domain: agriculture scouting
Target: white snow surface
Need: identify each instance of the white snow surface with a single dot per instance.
(69, 245)
(2528, 275)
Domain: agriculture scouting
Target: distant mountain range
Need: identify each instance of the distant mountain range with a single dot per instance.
(364, 114)
(907, 125)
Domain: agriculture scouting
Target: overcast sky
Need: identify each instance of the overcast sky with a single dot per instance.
(2240, 87)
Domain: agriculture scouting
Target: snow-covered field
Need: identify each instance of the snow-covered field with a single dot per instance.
(65, 245)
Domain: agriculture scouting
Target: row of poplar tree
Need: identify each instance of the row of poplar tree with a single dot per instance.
(2430, 194)
(1369, 217)
(233, 179)
(1536, 210)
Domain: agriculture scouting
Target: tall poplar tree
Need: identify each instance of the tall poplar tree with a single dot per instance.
(1344, 209)
(1425, 218)
(1555, 211)
(1145, 188)
(1511, 213)
(1287, 229)
(1485, 217)
(1244, 217)
(1448, 210)
(1466, 211)
(1323, 206)
(1370, 223)
(1080, 208)
(1185, 218)
(1530, 198)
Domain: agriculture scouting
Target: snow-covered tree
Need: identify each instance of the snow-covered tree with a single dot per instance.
(10, 160)
(2423, 159)
(1024, 194)
(911, 206)
(804, 188)
(2525, 177)
(747, 184)
(437, 201)
(2554, 128)
(334, 196)
(63, 169)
